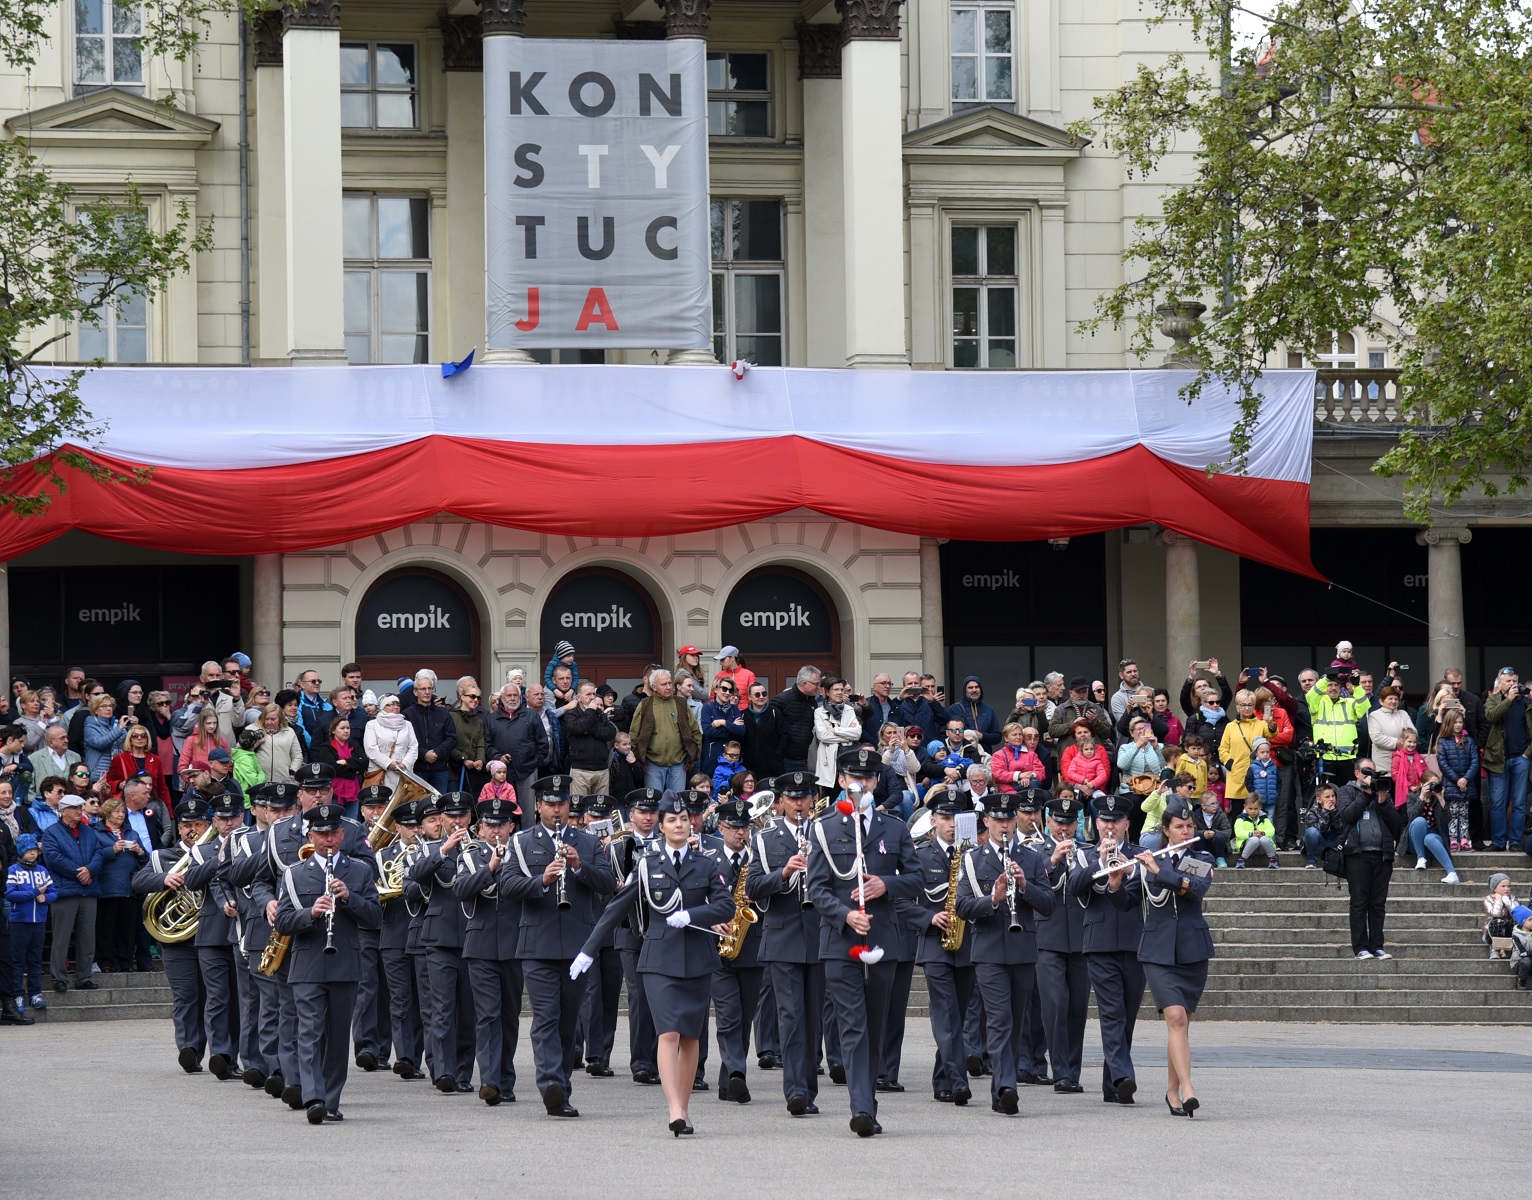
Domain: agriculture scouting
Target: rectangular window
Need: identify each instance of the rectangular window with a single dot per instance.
(984, 54)
(739, 94)
(388, 278)
(984, 296)
(379, 85)
(106, 49)
(120, 333)
(748, 281)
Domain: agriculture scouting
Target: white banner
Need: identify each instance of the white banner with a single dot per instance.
(596, 194)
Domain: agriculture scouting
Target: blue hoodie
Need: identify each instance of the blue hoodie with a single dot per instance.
(977, 715)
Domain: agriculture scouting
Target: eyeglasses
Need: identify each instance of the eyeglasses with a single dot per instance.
(81, 774)
(723, 689)
(732, 757)
(470, 695)
(162, 704)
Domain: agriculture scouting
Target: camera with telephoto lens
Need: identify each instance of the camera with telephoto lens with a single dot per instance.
(1524, 690)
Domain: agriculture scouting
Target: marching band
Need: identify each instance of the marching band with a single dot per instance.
(305, 941)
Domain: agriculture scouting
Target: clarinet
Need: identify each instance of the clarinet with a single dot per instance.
(803, 876)
(560, 848)
(329, 917)
(1010, 887)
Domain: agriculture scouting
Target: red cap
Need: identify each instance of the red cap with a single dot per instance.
(688, 650)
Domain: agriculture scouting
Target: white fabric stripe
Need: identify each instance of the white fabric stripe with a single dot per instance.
(223, 417)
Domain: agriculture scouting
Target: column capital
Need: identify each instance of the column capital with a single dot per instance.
(686, 18)
(502, 17)
(462, 43)
(1169, 537)
(311, 14)
(869, 20)
(1438, 534)
(818, 50)
(266, 37)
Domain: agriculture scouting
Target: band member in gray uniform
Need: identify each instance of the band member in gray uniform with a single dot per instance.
(324, 903)
(404, 1010)
(1177, 943)
(688, 901)
(1003, 889)
(441, 933)
(736, 981)
(1063, 980)
(489, 949)
(562, 879)
(949, 973)
(180, 958)
(417, 900)
(1032, 1044)
(372, 1034)
(258, 1055)
(254, 872)
(777, 885)
(209, 874)
(622, 855)
(598, 1011)
(1112, 937)
(858, 903)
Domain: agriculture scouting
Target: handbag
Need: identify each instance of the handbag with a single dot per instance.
(373, 777)
(1333, 860)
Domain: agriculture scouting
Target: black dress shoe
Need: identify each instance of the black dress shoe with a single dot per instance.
(334, 1116)
(254, 1078)
(465, 1087)
(1125, 1090)
(1067, 1087)
(86, 985)
(553, 1099)
(769, 1061)
(812, 1110)
(738, 1091)
(699, 1085)
(1109, 1097)
(599, 1070)
(367, 1060)
(885, 1085)
(219, 1066)
(292, 1096)
(405, 1069)
(798, 1105)
(490, 1095)
(943, 1096)
(446, 1084)
(60, 985)
(1032, 1079)
(861, 1125)
(975, 1065)
(274, 1085)
(643, 1077)
(1008, 1102)
(837, 1073)
(961, 1096)
(569, 1110)
(12, 1016)
(877, 1126)
(315, 1113)
(189, 1060)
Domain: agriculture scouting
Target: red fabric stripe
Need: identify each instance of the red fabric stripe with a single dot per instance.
(619, 491)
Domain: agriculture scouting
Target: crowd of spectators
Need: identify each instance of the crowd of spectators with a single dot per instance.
(1338, 767)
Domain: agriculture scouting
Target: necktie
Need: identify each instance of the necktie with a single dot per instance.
(951, 850)
(676, 854)
(735, 859)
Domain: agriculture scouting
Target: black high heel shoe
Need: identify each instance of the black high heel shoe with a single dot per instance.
(1191, 1106)
(678, 1127)
(1174, 1111)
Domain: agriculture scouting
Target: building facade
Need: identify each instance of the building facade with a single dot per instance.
(892, 186)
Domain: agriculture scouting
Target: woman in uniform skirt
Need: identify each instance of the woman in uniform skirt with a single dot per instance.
(1176, 945)
(675, 886)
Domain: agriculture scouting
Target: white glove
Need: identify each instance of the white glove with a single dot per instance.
(582, 963)
(679, 920)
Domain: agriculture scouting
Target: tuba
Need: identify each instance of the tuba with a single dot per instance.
(171, 915)
(745, 916)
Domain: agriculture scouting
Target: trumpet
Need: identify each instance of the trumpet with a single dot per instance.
(1121, 862)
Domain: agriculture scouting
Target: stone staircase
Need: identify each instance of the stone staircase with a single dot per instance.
(1284, 954)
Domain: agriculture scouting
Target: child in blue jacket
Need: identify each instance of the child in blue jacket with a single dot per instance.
(1262, 778)
(30, 890)
(728, 767)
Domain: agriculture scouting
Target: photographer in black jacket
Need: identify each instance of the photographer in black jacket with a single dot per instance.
(1373, 825)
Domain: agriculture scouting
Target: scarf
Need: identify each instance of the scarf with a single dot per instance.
(388, 720)
(8, 815)
(1211, 713)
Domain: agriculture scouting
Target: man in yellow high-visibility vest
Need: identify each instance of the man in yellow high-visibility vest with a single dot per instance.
(1336, 705)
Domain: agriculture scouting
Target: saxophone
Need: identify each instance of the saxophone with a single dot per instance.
(745, 916)
(952, 936)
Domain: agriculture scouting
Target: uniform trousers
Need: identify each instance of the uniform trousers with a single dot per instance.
(268, 1023)
(643, 1041)
(451, 1012)
(736, 992)
(496, 985)
(555, 1019)
(892, 1051)
(403, 1006)
(187, 1002)
(598, 1013)
(249, 1002)
(371, 1030)
(1007, 992)
(949, 990)
(860, 994)
(800, 993)
(1032, 1049)
(324, 1012)
(767, 1040)
(974, 1036)
(1117, 978)
(1063, 986)
(427, 1009)
(220, 1004)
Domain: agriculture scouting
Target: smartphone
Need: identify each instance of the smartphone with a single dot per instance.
(1203, 664)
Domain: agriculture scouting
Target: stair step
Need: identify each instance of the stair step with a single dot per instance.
(1227, 966)
(106, 1012)
(1359, 994)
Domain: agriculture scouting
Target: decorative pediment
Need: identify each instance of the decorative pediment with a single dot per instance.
(112, 117)
(991, 132)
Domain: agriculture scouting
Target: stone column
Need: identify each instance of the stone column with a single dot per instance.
(933, 644)
(311, 134)
(5, 623)
(499, 18)
(270, 190)
(824, 251)
(1444, 595)
(688, 19)
(463, 242)
(266, 619)
(873, 184)
(1183, 603)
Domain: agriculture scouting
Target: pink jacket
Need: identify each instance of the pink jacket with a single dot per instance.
(1010, 761)
(1094, 770)
(499, 791)
(1407, 767)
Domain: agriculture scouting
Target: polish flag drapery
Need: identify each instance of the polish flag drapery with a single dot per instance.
(265, 460)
